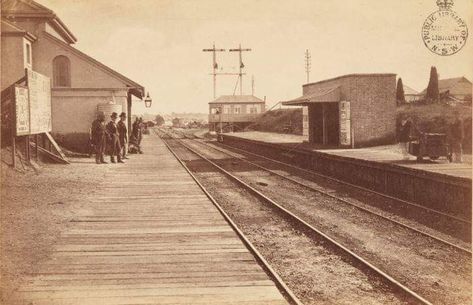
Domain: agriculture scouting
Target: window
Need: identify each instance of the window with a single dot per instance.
(28, 54)
(254, 108)
(227, 109)
(61, 71)
(237, 109)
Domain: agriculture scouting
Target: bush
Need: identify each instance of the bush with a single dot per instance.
(279, 121)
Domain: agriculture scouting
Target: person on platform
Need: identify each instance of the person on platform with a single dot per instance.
(141, 127)
(123, 135)
(405, 137)
(98, 137)
(456, 140)
(113, 139)
(136, 135)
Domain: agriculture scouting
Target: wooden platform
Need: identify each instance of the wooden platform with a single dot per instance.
(149, 236)
(385, 154)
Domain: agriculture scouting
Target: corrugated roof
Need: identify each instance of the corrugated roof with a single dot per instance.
(408, 90)
(237, 99)
(329, 94)
(448, 83)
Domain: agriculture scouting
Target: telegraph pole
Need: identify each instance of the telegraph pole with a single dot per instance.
(307, 64)
(240, 74)
(252, 85)
(214, 66)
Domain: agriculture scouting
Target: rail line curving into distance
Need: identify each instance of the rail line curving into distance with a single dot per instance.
(300, 222)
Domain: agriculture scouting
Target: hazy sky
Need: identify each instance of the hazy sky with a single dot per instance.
(159, 43)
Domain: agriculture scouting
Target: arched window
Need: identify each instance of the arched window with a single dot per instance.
(61, 71)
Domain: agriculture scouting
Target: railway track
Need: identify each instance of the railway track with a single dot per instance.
(465, 225)
(299, 222)
(342, 200)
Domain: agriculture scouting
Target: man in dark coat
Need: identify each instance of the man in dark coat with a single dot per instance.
(456, 135)
(136, 134)
(113, 139)
(123, 135)
(405, 137)
(98, 137)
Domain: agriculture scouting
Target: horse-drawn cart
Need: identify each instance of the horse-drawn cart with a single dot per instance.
(431, 145)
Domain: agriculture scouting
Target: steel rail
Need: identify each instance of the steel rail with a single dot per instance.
(278, 280)
(466, 221)
(468, 251)
(308, 226)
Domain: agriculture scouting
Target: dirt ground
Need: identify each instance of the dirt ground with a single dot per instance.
(36, 206)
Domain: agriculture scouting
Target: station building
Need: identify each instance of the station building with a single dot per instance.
(234, 112)
(458, 89)
(34, 37)
(353, 110)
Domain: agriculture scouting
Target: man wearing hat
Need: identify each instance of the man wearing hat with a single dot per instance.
(98, 137)
(113, 141)
(122, 135)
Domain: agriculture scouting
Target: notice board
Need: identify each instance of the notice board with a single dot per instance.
(39, 92)
(22, 111)
(345, 123)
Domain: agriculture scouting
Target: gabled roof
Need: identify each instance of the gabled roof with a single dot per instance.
(409, 91)
(448, 83)
(21, 9)
(351, 75)
(135, 88)
(237, 99)
(329, 94)
(9, 29)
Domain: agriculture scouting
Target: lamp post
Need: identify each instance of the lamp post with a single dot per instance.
(148, 101)
(220, 117)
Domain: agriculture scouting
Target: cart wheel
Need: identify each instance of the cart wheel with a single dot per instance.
(419, 158)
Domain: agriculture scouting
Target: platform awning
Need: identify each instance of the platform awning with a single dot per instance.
(323, 95)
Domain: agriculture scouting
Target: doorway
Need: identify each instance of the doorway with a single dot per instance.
(324, 124)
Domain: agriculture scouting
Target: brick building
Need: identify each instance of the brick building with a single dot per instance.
(234, 112)
(34, 37)
(351, 110)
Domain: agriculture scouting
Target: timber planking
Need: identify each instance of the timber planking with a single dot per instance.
(161, 241)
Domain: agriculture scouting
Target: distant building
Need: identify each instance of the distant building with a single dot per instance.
(34, 37)
(234, 112)
(178, 123)
(411, 95)
(351, 110)
(458, 88)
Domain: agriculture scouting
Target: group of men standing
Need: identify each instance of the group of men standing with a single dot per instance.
(112, 138)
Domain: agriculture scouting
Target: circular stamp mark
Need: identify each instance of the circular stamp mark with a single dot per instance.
(444, 32)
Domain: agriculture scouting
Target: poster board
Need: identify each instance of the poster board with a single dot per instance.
(39, 91)
(22, 111)
(305, 121)
(345, 123)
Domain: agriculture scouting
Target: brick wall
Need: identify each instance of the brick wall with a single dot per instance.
(372, 100)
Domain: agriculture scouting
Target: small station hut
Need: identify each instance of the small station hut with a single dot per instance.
(353, 110)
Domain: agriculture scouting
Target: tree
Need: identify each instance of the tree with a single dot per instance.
(159, 120)
(400, 92)
(432, 93)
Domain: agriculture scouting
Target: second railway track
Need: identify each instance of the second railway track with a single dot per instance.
(440, 292)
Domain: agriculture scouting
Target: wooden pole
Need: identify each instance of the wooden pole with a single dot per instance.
(36, 147)
(13, 125)
(13, 151)
(27, 148)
